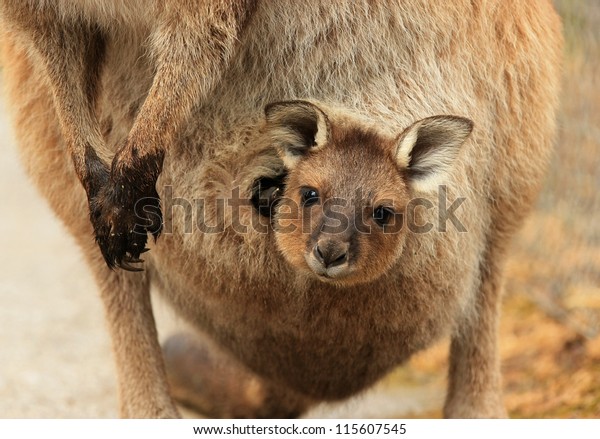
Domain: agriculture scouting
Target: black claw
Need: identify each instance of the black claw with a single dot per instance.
(109, 262)
(125, 266)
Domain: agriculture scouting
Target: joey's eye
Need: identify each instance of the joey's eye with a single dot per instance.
(309, 196)
(383, 215)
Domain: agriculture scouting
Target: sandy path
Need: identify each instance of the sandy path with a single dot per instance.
(55, 359)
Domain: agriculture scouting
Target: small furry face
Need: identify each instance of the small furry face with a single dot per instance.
(341, 215)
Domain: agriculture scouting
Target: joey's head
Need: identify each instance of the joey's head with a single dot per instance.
(340, 216)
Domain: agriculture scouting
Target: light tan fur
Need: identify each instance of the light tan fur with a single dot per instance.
(190, 44)
(375, 67)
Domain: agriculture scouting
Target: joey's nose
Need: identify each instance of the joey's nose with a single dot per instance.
(331, 253)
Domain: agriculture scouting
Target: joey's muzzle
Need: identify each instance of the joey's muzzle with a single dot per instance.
(329, 258)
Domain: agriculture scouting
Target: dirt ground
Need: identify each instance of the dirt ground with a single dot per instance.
(55, 359)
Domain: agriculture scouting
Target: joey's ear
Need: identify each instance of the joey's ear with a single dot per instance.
(427, 148)
(295, 128)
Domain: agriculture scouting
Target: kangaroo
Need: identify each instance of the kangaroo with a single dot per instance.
(299, 194)
(190, 42)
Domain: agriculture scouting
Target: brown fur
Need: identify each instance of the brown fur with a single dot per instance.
(377, 68)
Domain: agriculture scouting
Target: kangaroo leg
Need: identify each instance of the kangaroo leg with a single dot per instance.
(212, 382)
(192, 49)
(143, 388)
(474, 388)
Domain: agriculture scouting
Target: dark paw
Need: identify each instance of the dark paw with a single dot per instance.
(123, 216)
